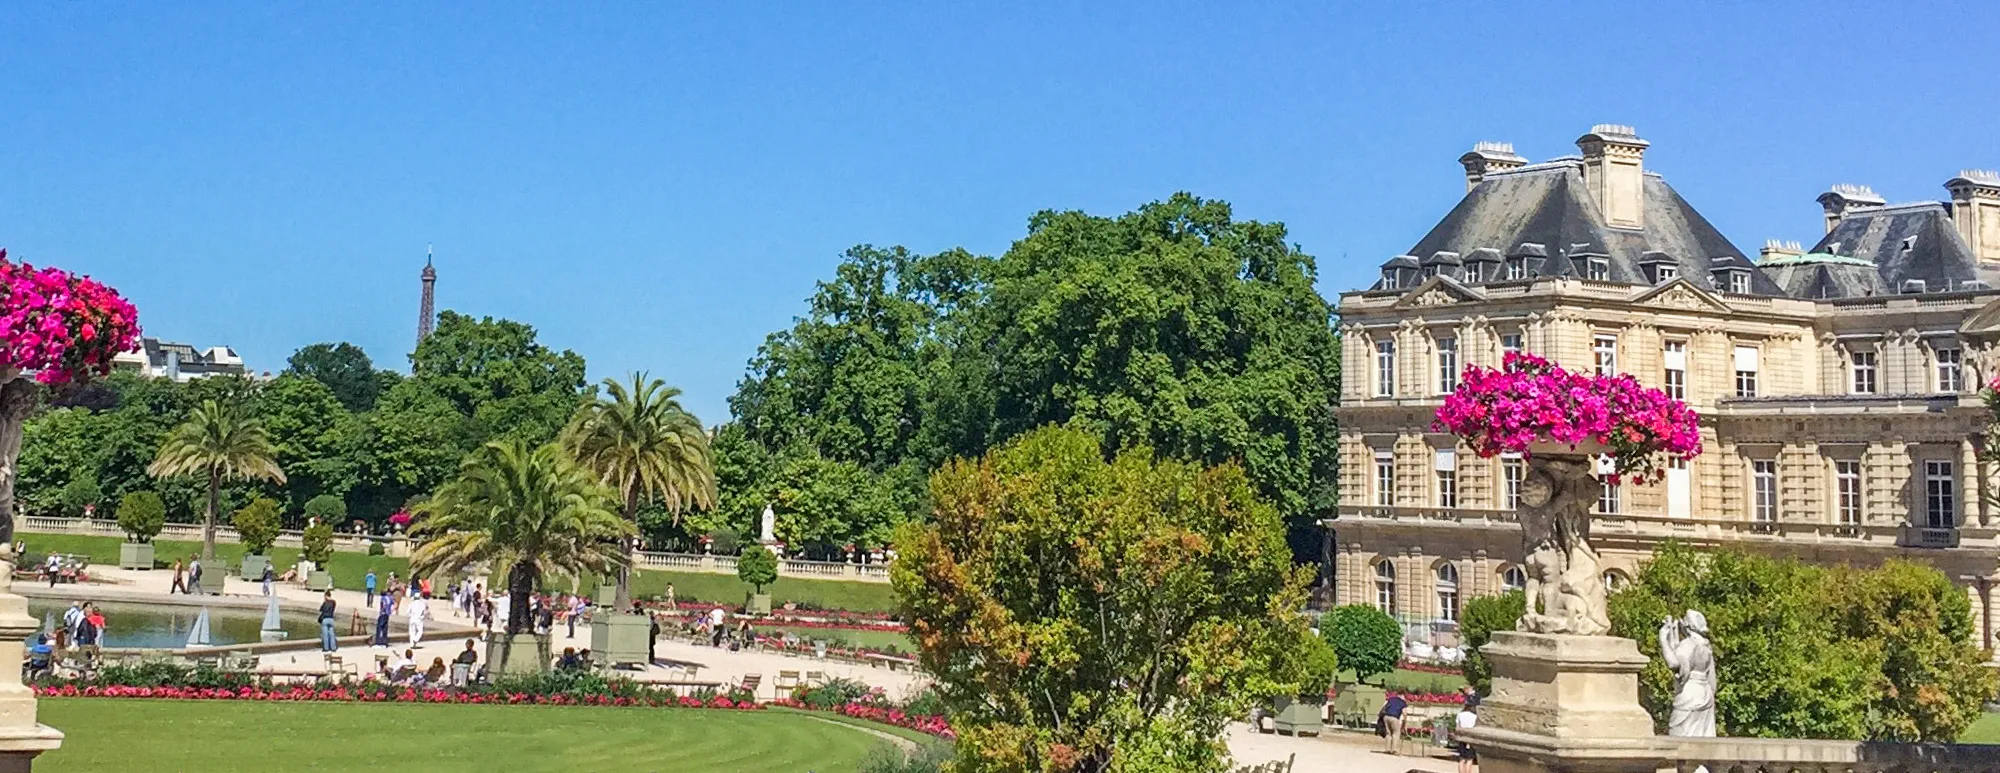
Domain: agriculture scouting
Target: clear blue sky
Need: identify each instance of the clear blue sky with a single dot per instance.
(659, 185)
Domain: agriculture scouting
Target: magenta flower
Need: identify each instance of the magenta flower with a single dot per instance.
(1530, 399)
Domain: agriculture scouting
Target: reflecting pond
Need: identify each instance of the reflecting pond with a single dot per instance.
(166, 626)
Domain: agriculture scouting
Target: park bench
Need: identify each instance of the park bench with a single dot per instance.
(890, 661)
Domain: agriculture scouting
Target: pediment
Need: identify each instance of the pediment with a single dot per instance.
(1986, 320)
(1681, 294)
(1438, 291)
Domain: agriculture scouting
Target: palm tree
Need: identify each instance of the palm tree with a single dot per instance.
(642, 443)
(224, 442)
(536, 511)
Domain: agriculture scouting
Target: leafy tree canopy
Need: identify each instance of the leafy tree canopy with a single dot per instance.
(757, 566)
(257, 524)
(343, 368)
(1367, 639)
(495, 373)
(142, 515)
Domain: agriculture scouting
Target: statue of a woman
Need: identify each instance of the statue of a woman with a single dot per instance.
(1684, 645)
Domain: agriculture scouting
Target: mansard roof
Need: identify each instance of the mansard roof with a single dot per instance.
(1549, 206)
(1898, 244)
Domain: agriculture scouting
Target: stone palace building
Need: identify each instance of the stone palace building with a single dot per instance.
(1838, 385)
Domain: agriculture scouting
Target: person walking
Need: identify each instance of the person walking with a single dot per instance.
(180, 579)
(368, 589)
(194, 576)
(1468, 717)
(268, 576)
(418, 610)
(385, 604)
(1391, 723)
(652, 640)
(671, 606)
(52, 568)
(326, 640)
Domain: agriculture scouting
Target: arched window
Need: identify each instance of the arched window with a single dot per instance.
(1385, 587)
(1613, 580)
(1447, 592)
(1514, 578)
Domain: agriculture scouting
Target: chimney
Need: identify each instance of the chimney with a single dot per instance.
(1487, 158)
(1845, 198)
(1613, 170)
(1774, 248)
(1975, 209)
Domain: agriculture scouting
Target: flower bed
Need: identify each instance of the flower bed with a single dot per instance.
(1432, 698)
(1531, 400)
(379, 692)
(930, 724)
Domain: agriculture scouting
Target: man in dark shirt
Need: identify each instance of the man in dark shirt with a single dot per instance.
(1392, 722)
(326, 640)
(388, 604)
(470, 656)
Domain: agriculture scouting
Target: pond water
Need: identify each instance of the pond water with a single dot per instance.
(166, 626)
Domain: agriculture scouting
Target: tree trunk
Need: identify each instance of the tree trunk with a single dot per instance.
(17, 399)
(622, 602)
(520, 586)
(208, 518)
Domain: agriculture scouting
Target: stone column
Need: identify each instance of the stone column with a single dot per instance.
(21, 737)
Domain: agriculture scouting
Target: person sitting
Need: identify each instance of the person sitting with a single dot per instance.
(436, 673)
(569, 661)
(404, 667)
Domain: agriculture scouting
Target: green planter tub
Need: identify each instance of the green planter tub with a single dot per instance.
(135, 555)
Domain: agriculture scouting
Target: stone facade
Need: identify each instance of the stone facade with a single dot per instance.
(1841, 427)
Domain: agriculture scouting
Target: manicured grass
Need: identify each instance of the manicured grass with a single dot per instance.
(226, 737)
(1411, 681)
(726, 589)
(348, 568)
(1986, 730)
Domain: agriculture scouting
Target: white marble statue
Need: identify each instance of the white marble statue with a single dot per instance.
(1684, 644)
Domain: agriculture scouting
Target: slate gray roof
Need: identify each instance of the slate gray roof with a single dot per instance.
(1903, 242)
(1549, 205)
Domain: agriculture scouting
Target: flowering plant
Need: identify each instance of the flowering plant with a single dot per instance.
(62, 326)
(1530, 400)
(1432, 698)
(399, 519)
(931, 724)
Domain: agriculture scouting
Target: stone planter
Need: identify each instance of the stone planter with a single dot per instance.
(319, 580)
(253, 567)
(135, 555)
(619, 639)
(607, 594)
(758, 604)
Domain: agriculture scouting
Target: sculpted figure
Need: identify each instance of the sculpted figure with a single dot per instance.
(1684, 645)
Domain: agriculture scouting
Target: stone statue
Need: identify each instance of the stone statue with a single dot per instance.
(1565, 589)
(1684, 645)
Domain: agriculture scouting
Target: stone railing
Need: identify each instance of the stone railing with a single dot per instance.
(1781, 755)
(1456, 515)
(1614, 525)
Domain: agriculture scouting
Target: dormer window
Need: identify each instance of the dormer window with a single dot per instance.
(1472, 273)
(1732, 280)
(1665, 272)
(1598, 269)
(1517, 268)
(1913, 286)
(1389, 279)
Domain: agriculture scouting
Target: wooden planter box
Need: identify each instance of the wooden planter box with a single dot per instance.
(135, 555)
(758, 604)
(253, 567)
(319, 579)
(1295, 718)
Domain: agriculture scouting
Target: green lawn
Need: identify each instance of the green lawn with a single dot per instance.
(1986, 730)
(348, 568)
(1411, 681)
(726, 589)
(880, 640)
(221, 737)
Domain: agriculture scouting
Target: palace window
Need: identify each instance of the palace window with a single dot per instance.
(1385, 479)
(1447, 365)
(1385, 587)
(1673, 355)
(1764, 490)
(1447, 477)
(1613, 580)
(1385, 368)
(1447, 592)
(1608, 499)
(1665, 272)
(1862, 364)
(1605, 349)
(1512, 472)
(1515, 578)
(1940, 495)
(1598, 269)
(1517, 268)
(1510, 343)
(1950, 369)
(1847, 492)
(1746, 371)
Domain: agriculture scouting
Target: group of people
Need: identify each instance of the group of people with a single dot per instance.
(404, 669)
(187, 579)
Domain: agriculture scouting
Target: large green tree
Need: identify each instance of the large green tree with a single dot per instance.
(343, 368)
(315, 437)
(533, 510)
(1084, 615)
(219, 441)
(494, 372)
(647, 448)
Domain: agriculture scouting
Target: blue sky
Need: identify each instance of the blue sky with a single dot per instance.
(658, 186)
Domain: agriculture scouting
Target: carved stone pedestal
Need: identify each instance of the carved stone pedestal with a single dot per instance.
(21, 737)
(1564, 703)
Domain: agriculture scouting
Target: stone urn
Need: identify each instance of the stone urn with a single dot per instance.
(21, 737)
